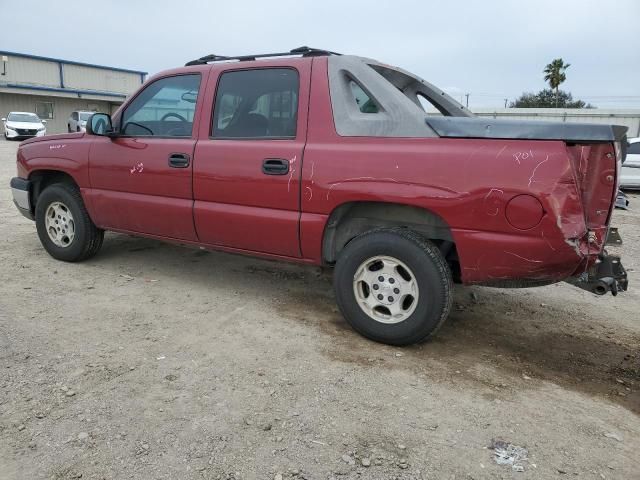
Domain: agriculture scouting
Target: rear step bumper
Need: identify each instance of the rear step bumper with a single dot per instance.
(607, 275)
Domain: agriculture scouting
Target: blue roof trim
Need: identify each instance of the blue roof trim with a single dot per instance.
(69, 62)
(64, 90)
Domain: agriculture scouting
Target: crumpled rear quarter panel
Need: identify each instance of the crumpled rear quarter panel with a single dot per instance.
(468, 183)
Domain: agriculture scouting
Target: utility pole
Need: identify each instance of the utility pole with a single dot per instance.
(505, 102)
(467, 95)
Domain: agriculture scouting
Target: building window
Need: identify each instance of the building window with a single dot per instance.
(44, 110)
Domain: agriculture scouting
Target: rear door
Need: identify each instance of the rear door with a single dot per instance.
(141, 180)
(248, 160)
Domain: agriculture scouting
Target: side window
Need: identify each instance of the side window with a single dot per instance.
(365, 103)
(429, 107)
(259, 103)
(74, 115)
(165, 108)
(634, 148)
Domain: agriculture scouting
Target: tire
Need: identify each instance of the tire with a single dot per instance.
(87, 238)
(77, 129)
(419, 262)
(68, 128)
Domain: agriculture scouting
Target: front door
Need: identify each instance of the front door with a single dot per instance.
(141, 179)
(248, 161)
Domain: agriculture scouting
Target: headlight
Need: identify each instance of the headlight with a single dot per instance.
(41, 129)
(10, 128)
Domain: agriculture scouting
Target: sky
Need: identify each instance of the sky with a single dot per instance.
(492, 49)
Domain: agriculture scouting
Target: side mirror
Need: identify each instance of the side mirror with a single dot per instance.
(190, 97)
(99, 124)
(43, 121)
(4, 119)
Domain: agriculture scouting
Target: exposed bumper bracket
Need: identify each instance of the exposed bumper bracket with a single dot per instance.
(613, 237)
(608, 275)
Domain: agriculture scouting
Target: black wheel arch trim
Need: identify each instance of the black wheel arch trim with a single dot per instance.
(21, 183)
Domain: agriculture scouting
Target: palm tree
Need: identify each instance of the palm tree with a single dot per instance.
(554, 74)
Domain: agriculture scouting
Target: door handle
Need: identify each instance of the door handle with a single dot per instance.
(275, 166)
(179, 160)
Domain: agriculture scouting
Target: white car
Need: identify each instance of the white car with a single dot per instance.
(630, 175)
(78, 121)
(23, 125)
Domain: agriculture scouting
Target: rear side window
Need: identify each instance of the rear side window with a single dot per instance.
(365, 103)
(260, 103)
(164, 108)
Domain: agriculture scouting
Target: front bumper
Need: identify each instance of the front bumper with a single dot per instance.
(21, 191)
(15, 134)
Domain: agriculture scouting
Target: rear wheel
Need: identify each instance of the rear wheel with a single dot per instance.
(64, 227)
(393, 286)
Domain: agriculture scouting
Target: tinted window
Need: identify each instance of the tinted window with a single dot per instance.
(74, 115)
(23, 117)
(634, 148)
(165, 108)
(44, 109)
(365, 102)
(261, 103)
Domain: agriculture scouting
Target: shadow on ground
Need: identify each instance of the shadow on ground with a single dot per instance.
(489, 330)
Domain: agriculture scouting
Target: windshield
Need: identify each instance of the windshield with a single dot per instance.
(85, 115)
(23, 117)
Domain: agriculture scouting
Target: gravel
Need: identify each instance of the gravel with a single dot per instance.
(244, 369)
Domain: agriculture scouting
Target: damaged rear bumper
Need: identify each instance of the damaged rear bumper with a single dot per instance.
(606, 275)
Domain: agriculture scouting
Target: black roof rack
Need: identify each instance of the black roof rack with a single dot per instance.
(302, 51)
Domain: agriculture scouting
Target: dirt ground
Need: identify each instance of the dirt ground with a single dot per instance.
(156, 361)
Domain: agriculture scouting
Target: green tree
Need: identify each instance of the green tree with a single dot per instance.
(554, 73)
(547, 98)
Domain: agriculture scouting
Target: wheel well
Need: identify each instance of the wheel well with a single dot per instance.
(41, 179)
(352, 219)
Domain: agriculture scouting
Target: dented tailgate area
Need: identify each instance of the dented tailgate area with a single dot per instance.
(557, 208)
(576, 187)
(597, 169)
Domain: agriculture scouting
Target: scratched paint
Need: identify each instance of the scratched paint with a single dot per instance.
(137, 168)
(533, 173)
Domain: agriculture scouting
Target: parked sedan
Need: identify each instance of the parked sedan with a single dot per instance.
(78, 120)
(630, 175)
(20, 125)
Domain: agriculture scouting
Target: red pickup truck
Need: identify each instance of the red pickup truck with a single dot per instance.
(337, 160)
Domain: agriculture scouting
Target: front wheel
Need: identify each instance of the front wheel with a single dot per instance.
(393, 286)
(64, 227)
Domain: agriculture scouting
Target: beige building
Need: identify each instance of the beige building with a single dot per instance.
(53, 88)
